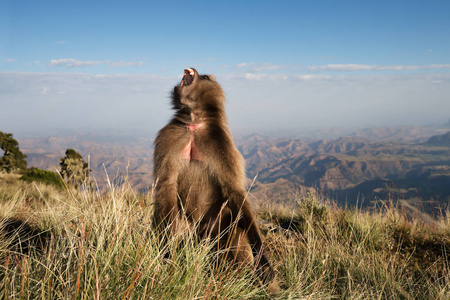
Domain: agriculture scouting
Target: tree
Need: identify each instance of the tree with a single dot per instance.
(13, 160)
(74, 169)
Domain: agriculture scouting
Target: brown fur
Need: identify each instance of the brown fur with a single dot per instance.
(200, 174)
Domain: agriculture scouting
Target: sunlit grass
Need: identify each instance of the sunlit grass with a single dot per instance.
(102, 246)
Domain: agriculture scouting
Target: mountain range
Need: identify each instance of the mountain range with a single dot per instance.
(364, 166)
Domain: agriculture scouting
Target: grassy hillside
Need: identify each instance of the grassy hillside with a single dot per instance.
(87, 245)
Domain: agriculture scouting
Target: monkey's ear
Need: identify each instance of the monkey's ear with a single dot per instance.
(209, 77)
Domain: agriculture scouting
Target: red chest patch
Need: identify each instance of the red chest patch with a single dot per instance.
(191, 152)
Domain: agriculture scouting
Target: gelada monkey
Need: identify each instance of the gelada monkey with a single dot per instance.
(200, 177)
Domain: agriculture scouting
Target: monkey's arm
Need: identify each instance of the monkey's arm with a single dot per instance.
(167, 160)
(227, 166)
(165, 197)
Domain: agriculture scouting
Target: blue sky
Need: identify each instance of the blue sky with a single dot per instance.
(282, 64)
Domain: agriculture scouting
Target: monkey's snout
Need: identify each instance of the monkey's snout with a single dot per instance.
(188, 77)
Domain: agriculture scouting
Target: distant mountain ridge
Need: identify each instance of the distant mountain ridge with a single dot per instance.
(370, 163)
(348, 169)
(110, 157)
(443, 140)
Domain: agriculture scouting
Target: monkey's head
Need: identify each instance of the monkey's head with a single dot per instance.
(197, 93)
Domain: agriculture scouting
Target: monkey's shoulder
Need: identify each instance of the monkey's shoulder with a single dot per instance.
(171, 131)
(215, 132)
(170, 136)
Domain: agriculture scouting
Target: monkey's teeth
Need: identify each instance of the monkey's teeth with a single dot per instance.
(191, 71)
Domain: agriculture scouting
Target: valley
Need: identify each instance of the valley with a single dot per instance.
(411, 163)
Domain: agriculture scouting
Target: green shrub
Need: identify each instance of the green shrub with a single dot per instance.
(43, 176)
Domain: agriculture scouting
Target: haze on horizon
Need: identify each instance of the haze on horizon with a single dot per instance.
(283, 65)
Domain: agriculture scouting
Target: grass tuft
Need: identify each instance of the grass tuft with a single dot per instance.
(61, 244)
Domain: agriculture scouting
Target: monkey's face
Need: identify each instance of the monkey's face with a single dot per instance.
(196, 91)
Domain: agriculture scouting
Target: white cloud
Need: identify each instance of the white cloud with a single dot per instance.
(71, 100)
(357, 67)
(242, 65)
(9, 60)
(266, 67)
(85, 63)
(249, 76)
(56, 100)
(256, 68)
(74, 63)
(61, 62)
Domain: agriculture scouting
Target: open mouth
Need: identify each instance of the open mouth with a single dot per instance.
(188, 77)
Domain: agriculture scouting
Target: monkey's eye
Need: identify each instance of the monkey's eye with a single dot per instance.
(205, 77)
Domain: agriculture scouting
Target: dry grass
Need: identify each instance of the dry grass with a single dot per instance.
(101, 246)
